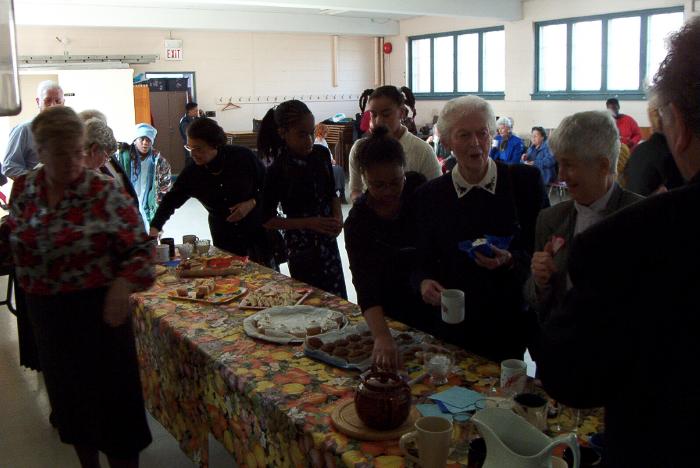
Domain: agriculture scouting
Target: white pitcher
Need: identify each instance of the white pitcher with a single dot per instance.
(513, 442)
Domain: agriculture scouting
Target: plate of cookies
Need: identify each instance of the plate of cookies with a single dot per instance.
(209, 291)
(273, 295)
(292, 324)
(351, 347)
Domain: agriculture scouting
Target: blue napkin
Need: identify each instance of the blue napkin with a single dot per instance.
(427, 409)
(458, 399)
(485, 249)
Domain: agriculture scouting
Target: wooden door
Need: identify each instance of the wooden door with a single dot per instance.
(167, 107)
(142, 104)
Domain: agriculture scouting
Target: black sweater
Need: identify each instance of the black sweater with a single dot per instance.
(233, 176)
(495, 320)
(382, 254)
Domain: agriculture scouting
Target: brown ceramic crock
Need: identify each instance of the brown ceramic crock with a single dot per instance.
(382, 400)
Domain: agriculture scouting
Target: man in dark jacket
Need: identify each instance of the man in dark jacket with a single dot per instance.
(627, 338)
(191, 114)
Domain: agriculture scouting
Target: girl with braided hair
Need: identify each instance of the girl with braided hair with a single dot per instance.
(300, 179)
(386, 106)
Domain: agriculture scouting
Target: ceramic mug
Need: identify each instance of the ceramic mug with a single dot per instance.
(162, 253)
(170, 242)
(452, 301)
(433, 436)
(533, 408)
(513, 376)
(190, 239)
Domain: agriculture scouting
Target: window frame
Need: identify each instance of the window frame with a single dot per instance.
(432, 95)
(604, 93)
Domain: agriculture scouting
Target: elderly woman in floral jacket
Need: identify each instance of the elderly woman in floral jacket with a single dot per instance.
(148, 171)
(79, 251)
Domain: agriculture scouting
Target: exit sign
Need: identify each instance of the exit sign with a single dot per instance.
(173, 49)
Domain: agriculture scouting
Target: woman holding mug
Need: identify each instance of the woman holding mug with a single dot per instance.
(479, 198)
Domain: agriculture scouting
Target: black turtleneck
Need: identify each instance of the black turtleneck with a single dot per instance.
(235, 175)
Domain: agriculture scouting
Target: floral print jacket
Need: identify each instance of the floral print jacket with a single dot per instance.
(93, 236)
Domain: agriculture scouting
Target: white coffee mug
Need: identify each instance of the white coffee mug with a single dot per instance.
(452, 301)
(513, 376)
(162, 253)
(433, 436)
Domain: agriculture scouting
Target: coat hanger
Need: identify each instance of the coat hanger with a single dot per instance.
(230, 105)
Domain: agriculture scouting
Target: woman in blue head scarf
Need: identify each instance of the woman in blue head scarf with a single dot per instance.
(148, 171)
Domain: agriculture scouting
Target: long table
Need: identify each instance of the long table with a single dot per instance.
(268, 404)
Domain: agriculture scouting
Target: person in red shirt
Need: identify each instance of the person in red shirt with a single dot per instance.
(626, 125)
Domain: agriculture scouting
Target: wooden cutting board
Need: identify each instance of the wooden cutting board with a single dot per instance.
(346, 420)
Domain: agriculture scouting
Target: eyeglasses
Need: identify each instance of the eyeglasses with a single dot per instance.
(192, 148)
(395, 184)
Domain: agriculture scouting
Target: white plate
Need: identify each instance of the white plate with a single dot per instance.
(288, 317)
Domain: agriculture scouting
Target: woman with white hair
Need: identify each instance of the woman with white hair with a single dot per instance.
(507, 148)
(480, 198)
(589, 172)
(100, 149)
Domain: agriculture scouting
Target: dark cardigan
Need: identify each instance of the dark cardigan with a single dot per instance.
(495, 319)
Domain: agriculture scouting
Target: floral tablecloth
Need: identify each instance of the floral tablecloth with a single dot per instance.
(267, 404)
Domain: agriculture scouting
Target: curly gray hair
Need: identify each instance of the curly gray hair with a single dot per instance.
(460, 107)
(98, 133)
(587, 135)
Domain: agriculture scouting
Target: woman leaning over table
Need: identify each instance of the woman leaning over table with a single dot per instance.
(379, 241)
(228, 180)
(80, 251)
(479, 197)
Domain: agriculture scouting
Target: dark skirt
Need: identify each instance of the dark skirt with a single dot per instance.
(315, 259)
(91, 373)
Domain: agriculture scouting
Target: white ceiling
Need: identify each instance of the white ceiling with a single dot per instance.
(342, 17)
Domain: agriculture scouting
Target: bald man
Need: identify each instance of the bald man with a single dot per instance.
(21, 156)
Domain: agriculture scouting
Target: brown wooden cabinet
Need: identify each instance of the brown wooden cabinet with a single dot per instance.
(167, 108)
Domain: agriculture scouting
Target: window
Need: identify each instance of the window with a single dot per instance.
(597, 57)
(450, 64)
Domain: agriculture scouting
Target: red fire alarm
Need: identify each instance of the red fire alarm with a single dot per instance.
(388, 47)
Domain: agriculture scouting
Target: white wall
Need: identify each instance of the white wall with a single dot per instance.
(110, 91)
(230, 64)
(520, 59)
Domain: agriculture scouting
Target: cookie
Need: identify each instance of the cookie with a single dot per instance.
(341, 351)
(311, 331)
(341, 342)
(328, 348)
(354, 338)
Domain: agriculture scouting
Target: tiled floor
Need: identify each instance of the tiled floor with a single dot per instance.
(27, 440)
